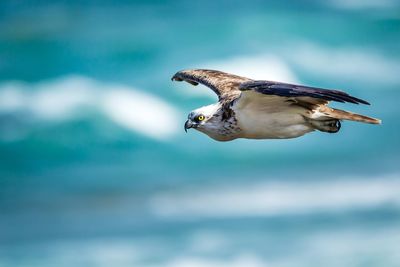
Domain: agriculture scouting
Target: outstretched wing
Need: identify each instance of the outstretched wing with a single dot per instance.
(225, 85)
(298, 92)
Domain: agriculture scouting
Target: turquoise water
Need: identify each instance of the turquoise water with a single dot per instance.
(96, 170)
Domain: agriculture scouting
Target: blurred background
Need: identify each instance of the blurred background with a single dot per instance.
(96, 170)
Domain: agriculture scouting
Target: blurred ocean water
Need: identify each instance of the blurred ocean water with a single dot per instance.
(96, 170)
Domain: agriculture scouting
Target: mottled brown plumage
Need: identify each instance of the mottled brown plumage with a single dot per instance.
(225, 85)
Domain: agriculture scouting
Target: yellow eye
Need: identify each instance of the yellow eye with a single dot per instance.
(200, 118)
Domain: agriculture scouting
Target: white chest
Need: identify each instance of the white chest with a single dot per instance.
(261, 122)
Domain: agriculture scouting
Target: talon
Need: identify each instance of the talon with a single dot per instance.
(338, 125)
(329, 126)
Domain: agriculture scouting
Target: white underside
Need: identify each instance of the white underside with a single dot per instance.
(272, 125)
(268, 117)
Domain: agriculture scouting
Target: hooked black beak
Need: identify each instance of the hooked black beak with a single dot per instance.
(188, 125)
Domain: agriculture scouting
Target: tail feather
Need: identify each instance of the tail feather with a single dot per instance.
(345, 115)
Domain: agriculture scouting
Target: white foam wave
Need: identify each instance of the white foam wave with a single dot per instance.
(279, 198)
(267, 67)
(347, 64)
(72, 97)
(262, 67)
(140, 112)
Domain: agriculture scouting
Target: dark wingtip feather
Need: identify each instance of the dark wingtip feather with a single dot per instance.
(182, 76)
(351, 99)
(362, 101)
(177, 77)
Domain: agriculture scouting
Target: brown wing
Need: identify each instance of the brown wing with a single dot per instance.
(225, 85)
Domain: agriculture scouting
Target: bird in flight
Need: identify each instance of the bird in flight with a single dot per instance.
(258, 109)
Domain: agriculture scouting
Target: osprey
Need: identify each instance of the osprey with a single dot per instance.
(265, 109)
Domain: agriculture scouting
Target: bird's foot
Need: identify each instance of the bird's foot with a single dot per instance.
(328, 126)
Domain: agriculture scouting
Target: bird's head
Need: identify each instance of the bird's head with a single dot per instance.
(203, 119)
